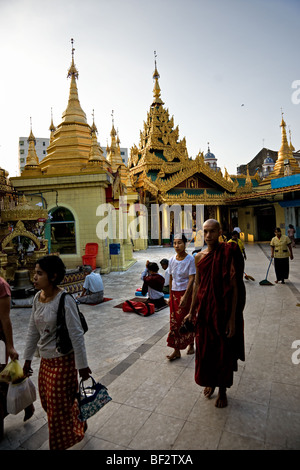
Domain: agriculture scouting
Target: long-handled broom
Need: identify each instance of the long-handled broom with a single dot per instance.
(265, 282)
(247, 276)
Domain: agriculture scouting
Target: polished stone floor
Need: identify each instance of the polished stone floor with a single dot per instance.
(156, 403)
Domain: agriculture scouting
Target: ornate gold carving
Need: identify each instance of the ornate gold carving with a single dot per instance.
(20, 230)
(23, 211)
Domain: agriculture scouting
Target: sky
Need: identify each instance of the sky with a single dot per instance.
(228, 69)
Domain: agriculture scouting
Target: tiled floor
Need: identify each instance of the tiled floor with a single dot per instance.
(155, 403)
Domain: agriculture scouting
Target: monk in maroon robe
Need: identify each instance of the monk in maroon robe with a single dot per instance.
(217, 311)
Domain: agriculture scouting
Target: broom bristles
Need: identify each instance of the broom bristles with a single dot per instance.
(266, 283)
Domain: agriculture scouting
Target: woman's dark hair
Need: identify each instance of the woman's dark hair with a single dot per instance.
(53, 265)
(182, 236)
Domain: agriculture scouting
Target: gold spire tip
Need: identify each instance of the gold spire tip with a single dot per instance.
(73, 50)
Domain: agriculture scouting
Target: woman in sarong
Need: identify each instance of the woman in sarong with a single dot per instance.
(182, 273)
(58, 380)
(281, 251)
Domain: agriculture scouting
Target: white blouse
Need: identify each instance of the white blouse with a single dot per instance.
(180, 270)
(41, 331)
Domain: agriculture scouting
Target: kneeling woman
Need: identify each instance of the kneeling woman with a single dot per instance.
(182, 274)
(58, 381)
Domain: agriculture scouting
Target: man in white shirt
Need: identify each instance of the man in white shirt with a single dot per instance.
(165, 265)
(92, 292)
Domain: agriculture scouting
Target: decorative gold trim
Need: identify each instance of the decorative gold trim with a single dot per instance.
(20, 230)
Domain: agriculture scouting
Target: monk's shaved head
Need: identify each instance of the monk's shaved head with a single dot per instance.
(212, 221)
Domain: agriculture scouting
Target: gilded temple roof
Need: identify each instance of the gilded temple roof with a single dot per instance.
(161, 165)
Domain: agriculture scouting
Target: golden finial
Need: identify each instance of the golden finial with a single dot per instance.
(72, 70)
(52, 127)
(113, 131)
(155, 73)
(93, 127)
(282, 120)
(72, 42)
(31, 136)
(291, 145)
(156, 89)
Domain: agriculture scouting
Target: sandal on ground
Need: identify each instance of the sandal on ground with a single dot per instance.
(174, 355)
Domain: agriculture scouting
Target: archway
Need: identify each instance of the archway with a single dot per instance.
(60, 231)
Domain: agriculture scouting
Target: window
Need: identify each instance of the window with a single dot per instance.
(44, 143)
(44, 152)
(21, 142)
(22, 152)
(62, 227)
(22, 160)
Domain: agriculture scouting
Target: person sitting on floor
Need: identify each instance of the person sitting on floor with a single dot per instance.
(153, 284)
(165, 265)
(92, 292)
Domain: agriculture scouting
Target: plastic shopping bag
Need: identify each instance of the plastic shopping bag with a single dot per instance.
(12, 372)
(20, 395)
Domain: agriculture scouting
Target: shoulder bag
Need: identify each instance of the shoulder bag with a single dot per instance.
(63, 342)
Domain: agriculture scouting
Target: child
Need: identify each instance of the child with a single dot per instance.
(153, 284)
(165, 265)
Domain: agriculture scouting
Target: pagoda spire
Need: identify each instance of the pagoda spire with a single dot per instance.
(96, 152)
(156, 89)
(114, 151)
(284, 151)
(286, 164)
(291, 145)
(32, 160)
(52, 127)
(74, 112)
